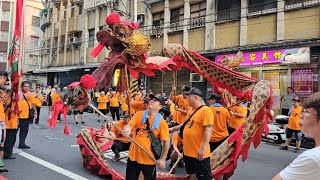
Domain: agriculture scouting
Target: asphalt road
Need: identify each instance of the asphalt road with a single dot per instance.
(54, 155)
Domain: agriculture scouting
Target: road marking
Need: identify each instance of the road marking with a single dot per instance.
(74, 145)
(123, 155)
(54, 138)
(53, 167)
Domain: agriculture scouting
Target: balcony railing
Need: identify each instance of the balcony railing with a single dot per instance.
(232, 14)
(295, 4)
(155, 30)
(197, 22)
(176, 26)
(260, 9)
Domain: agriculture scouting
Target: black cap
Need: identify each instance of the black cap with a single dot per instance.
(214, 96)
(296, 99)
(146, 100)
(151, 96)
(185, 88)
(4, 73)
(194, 91)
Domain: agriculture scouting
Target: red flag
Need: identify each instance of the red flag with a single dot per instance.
(16, 51)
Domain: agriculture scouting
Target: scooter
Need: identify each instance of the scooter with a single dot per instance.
(277, 130)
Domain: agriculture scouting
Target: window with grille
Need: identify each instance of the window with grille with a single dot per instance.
(262, 6)
(158, 19)
(91, 37)
(198, 10)
(36, 21)
(229, 10)
(176, 19)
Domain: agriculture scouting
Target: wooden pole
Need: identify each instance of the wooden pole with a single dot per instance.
(120, 130)
(128, 90)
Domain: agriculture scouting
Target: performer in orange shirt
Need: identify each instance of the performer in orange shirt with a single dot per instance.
(120, 143)
(238, 114)
(102, 104)
(38, 100)
(137, 160)
(114, 105)
(177, 149)
(124, 105)
(12, 128)
(221, 118)
(181, 103)
(26, 102)
(293, 125)
(196, 136)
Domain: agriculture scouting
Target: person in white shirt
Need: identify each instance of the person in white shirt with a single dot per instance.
(307, 165)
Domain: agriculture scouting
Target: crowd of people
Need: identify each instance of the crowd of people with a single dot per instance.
(190, 130)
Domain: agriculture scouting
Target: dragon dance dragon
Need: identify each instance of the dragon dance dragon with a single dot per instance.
(129, 50)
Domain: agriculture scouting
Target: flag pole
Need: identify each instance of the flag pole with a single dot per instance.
(22, 38)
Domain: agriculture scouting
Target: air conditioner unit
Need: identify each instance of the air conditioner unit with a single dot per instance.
(194, 77)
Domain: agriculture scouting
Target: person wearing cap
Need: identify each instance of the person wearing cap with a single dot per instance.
(38, 99)
(137, 160)
(26, 102)
(124, 104)
(120, 143)
(221, 118)
(102, 104)
(182, 107)
(238, 114)
(293, 125)
(196, 136)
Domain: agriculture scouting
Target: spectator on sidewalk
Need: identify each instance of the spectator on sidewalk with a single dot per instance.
(293, 125)
(38, 100)
(306, 165)
(286, 101)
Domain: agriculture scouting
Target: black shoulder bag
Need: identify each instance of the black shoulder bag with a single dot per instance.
(31, 111)
(156, 145)
(186, 122)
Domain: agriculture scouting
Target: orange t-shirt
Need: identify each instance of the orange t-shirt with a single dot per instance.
(221, 119)
(176, 140)
(118, 134)
(124, 105)
(102, 101)
(236, 122)
(11, 123)
(138, 106)
(141, 137)
(55, 97)
(38, 99)
(193, 136)
(114, 100)
(295, 118)
(23, 105)
(184, 105)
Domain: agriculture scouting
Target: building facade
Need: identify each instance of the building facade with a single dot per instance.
(218, 28)
(6, 30)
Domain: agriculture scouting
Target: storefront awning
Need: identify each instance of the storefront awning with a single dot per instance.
(63, 68)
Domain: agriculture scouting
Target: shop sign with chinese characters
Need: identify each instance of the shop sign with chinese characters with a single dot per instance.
(282, 56)
(302, 82)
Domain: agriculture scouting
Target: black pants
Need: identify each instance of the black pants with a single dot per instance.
(285, 112)
(119, 146)
(115, 112)
(38, 111)
(134, 168)
(11, 137)
(202, 169)
(214, 145)
(231, 130)
(24, 129)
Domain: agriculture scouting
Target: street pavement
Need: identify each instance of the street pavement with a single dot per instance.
(54, 155)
